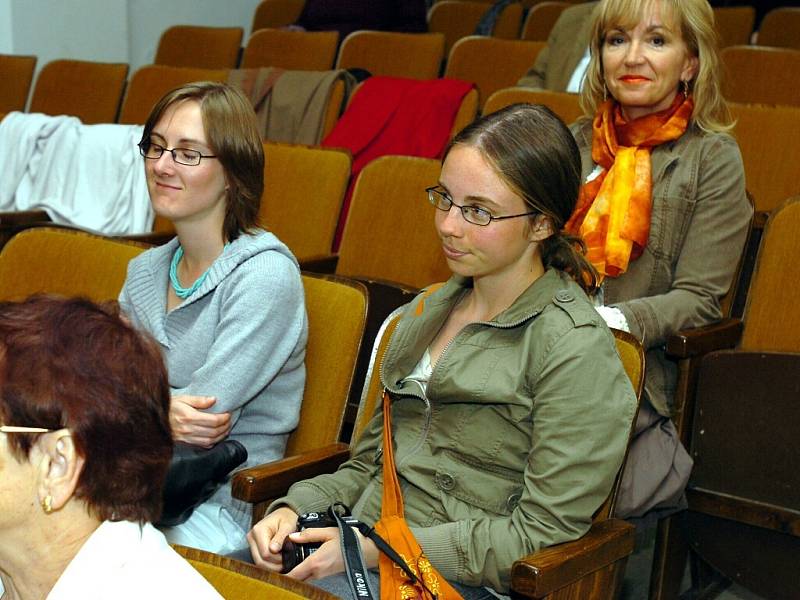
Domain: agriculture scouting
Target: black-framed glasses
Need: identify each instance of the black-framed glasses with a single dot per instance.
(182, 156)
(472, 214)
(16, 429)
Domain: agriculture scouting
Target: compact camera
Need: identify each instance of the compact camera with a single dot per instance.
(293, 554)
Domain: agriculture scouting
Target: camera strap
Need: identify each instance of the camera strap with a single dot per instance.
(354, 566)
(355, 569)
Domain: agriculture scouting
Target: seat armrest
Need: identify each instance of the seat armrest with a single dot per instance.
(320, 264)
(272, 480)
(24, 217)
(702, 340)
(555, 567)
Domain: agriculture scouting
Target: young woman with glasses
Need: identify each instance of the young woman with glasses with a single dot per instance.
(224, 299)
(510, 407)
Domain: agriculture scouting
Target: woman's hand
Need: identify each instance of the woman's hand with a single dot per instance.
(266, 538)
(190, 424)
(327, 559)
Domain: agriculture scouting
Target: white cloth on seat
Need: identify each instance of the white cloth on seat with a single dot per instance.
(88, 176)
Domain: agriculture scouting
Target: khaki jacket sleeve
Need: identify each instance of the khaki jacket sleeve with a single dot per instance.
(583, 407)
(346, 484)
(708, 256)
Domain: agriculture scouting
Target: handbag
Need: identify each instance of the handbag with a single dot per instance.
(396, 583)
(194, 475)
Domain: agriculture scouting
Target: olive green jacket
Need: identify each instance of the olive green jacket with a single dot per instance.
(515, 443)
(699, 224)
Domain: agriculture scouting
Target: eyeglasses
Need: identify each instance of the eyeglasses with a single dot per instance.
(472, 214)
(182, 156)
(15, 429)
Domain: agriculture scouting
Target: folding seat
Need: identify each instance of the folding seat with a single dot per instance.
(150, 82)
(276, 13)
(780, 27)
(761, 75)
(491, 63)
(734, 24)
(287, 49)
(459, 18)
(91, 91)
(16, 73)
(540, 20)
(412, 55)
(565, 105)
(200, 47)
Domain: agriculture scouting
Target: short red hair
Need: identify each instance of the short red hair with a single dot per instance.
(70, 363)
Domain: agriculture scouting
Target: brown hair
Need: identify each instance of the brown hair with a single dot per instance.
(535, 155)
(70, 363)
(231, 127)
(695, 18)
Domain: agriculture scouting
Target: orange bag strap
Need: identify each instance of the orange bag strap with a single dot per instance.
(392, 503)
(395, 531)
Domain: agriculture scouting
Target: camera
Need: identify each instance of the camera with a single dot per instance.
(293, 554)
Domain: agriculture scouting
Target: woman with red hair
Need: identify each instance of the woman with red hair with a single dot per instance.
(85, 444)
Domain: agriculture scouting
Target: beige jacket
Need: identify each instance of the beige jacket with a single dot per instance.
(566, 45)
(700, 219)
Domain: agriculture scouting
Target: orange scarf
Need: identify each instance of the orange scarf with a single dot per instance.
(392, 527)
(613, 210)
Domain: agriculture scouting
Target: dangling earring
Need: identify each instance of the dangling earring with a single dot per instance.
(685, 88)
(605, 93)
(47, 504)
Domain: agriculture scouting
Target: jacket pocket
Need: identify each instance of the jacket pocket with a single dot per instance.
(469, 488)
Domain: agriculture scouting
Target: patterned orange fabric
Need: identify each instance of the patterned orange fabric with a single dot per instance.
(392, 527)
(613, 210)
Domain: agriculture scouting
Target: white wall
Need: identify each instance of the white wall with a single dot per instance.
(6, 36)
(108, 30)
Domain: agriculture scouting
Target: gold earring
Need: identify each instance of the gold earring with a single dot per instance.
(47, 504)
(685, 89)
(605, 93)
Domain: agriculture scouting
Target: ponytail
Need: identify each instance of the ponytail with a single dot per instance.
(567, 253)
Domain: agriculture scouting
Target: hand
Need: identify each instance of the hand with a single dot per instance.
(192, 425)
(327, 559)
(266, 538)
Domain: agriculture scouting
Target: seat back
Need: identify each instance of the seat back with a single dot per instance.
(91, 91)
(769, 139)
(758, 75)
(16, 73)
(456, 19)
(389, 232)
(771, 319)
(337, 311)
(744, 491)
(632, 355)
(67, 262)
(491, 63)
(303, 191)
(780, 27)
(380, 52)
(371, 391)
(276, 13)
(540, 20)
(200, 47)
(509, 22)
(565, 105)
(236, 580)
(734, 24)
(295, 50)
(150, 82)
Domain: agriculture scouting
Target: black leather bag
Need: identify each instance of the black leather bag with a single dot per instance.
(194, 475)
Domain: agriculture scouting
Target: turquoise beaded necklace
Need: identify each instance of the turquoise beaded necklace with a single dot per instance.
(180, 291)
